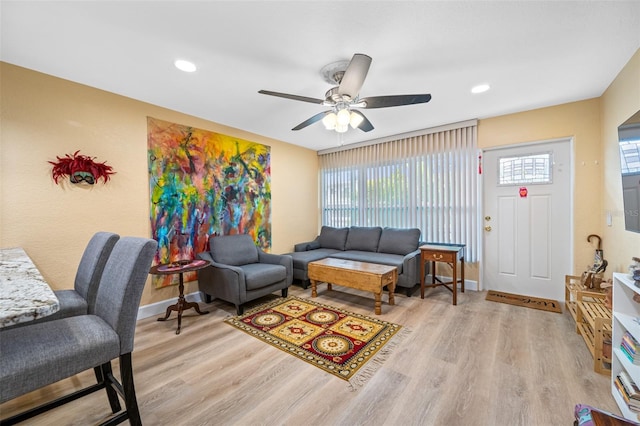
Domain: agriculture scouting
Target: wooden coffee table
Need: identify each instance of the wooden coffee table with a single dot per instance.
(359, 275)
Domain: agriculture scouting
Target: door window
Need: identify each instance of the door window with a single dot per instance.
(531, 168)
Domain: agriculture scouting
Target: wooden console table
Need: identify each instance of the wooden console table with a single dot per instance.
(447, 253)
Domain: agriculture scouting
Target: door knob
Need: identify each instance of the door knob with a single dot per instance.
(487, 218)
(487, 228)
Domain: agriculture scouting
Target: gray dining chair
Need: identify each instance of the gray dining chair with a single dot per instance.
(81, 299)
(46, 352)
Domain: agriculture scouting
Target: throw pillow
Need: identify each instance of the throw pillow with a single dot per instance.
(333, 238)
(399, 241)
(363, 238)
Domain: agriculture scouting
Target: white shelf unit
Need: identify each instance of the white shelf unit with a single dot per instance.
(626, 317)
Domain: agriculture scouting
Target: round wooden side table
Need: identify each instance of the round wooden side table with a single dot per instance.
(180, 267)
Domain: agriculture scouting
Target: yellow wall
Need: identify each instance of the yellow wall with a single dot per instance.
(597, 183)
(619, 102)
(580, 120)
(44, 117)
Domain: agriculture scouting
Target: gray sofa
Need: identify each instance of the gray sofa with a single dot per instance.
(387, 246)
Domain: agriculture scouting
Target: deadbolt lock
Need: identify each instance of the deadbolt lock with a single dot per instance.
(487, 218)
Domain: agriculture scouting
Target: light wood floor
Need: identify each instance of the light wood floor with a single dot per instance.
(477, 363)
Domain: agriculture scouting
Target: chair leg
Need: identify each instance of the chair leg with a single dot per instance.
(102, 372)
(207, 298)
(285, 291)
(130, 401)
(239, 309)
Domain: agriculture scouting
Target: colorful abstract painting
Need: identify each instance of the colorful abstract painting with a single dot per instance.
(203, 183)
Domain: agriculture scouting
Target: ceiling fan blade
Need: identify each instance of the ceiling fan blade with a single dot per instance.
(354, 75)
(294, 97)
(365, 125)
(311, 120)
(397, 100)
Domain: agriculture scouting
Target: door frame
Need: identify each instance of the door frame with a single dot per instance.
(572, 176)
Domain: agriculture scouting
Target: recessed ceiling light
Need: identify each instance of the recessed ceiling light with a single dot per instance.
(185, 66)
(480, 88)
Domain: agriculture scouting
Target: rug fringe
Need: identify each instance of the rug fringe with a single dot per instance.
(363, 375)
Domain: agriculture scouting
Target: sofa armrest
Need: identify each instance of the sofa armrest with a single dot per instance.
(278, 259)
(411, 265)
(219, 272)
(308, 245)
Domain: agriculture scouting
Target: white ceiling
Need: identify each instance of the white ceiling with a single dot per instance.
(532, 53)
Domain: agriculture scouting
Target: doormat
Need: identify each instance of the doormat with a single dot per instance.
(348, 345)
(526, 301)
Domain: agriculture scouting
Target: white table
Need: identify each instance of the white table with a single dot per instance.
(24, 294)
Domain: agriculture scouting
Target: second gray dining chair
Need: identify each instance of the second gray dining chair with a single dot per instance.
(49, 351)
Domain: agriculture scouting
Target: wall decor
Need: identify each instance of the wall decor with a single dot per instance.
(204, 183)
(80, 169)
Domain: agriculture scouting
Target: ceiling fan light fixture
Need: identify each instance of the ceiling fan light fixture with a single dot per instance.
(355, 120)
(343, 117)
(346, 79)
(329, 121)
(341, 128)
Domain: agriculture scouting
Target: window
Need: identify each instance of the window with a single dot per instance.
(533, 168)
(428, 182)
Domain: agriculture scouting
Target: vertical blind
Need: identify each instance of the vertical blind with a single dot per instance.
(427, 181)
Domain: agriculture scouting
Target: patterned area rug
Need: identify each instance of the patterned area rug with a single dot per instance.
(337, 341)
(526, 301)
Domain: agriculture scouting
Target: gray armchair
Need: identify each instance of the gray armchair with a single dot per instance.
(240, 271)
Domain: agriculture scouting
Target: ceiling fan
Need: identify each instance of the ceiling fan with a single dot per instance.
(344, 98)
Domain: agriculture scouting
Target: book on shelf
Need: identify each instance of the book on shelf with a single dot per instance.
(629, 385)
(631, 342)
(630, 357)
(630, 348)
(633, 404)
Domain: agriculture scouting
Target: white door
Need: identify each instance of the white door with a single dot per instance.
(527, 219)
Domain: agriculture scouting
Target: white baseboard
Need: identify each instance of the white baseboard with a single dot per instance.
(158, 308)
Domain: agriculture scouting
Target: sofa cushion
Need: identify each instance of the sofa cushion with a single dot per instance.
(333, 238)
(258, 275)
(363, 238)
(233, 250)
(302, 258)
(399, 241)
(371, 257)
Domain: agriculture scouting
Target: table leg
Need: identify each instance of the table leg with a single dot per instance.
(378, 297)
(181, 306)
(314, 288)
(392, 289)
(455, 282)
(422, 272)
